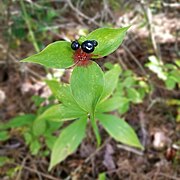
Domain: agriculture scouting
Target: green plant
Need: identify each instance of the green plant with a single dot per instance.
(34, 132)
(169, 73)
(31, 22)
(130, 89)
(90, 94)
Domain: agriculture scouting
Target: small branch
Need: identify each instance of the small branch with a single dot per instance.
(149, 17)
(97, 150)
(89, 158)
(8, 24)
(167, 176)
(37, 172)
(80, 13)
(134, 58)
(121, 61)
(20, 171)
(173, 5)
(143, 128)
(27, 20)
(130, 149)
(153, 102)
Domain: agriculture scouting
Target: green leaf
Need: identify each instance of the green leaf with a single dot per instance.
(154, 60)
(82, 39)
(39, 127)
(61, 112)
(50, 140)
(127, 73)
(20, 121)
(108, 39)
(63, 93)
(53, 113)
(157, 69)
(56, 113)
(108, 65)
(68, 141)
(56, 55)
(119, 129)
(87, 85)
(41, 109)
(4, 135)
(109, 105)
(178, 115)
(124, 105)
(35, 146)
(102, 176)
(28, 136)
(170, 82)
(134, 95)
(156, 66)
(37, 100)
(175, 74)
(142, 92)
(111, 79)
(169, 66)
(59, 90)
(120, 89)
(177, 63)
(56, 88)
(129, 82)
(53, 126)
(4, 160)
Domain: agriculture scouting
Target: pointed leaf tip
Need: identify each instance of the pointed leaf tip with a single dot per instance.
(109, 39)
(120, 130)
(56, 55)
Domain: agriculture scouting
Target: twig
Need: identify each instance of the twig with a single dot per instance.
(149, 17)
(37, 172)
(35, 4)
(81, 14)
(130, 149)
(25, 68)
(97, 150)
(172, 5)
(89, 158)
(167, 176)
(35, 74)
(176, 43)
(9, 32)
(153, 102)
(107, 11)
(27, 20)
(121, 61)
(143, 128)
(134, 58)
(20, 171)
(47, 28)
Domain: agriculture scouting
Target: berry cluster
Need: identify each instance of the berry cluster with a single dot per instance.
(87, 46)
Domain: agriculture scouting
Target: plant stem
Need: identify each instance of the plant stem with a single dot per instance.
(95, 129)
(27, 20)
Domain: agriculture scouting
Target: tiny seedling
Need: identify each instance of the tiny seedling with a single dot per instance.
(169, 72)
(90, 94)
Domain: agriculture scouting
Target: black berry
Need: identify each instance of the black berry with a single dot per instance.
(87, 46)
(75, 45)
(95, 42)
